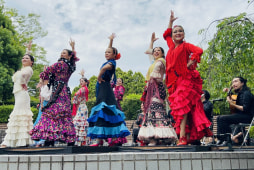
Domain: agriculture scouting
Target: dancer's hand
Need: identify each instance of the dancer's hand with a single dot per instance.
(72, 44)
(153, 38)
(82, 72)
(112, 36)
(225, 90)
(100, 80)
(29, 46)
(24, 86)
(172, 17)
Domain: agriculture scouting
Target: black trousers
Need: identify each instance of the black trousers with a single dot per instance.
(224, 122)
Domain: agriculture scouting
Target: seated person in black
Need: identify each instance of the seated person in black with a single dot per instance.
(208, 108)
(243, 109)
(139, 123)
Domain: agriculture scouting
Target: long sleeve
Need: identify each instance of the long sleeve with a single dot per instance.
(121, 93)
(26, 73)
(46, 92)
(79, 96)
(245, 99)
(168, 37)
(149, 52)
(57, 67)
(21, 77)
(158, 71)
(195, 51)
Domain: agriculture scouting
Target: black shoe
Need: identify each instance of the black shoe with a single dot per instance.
(196, 142)
(224, 143)
(71, 144)
(219, 142)
(213, 143)
(49, 143)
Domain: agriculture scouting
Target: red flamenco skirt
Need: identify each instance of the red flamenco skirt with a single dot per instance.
(186, 100)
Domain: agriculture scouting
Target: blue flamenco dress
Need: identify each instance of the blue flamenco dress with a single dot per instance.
(106, 120)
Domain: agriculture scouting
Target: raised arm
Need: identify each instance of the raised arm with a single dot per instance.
(153, 39)
(168, 33)
(82, 73)
(149, 51)
(111, 38)
(29, 46)
(171, 20)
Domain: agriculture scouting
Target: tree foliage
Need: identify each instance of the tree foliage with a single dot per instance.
(230, 53)
(15, 31)
(11, 51)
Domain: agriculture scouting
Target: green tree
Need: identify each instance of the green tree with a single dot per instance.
(11, 50)
(229, 54)
(15, 31)
(133, 83)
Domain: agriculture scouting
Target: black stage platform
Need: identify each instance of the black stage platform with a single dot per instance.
(105, 149)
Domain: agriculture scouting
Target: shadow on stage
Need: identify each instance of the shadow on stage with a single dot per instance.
(105, 149)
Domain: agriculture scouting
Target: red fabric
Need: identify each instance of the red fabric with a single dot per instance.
(86, 93)
(119, 92)
(152, 91)
(177, 59)
(185, 87)
(74, 110)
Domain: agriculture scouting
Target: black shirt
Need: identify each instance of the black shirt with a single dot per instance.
(245, 99)
(208, 108)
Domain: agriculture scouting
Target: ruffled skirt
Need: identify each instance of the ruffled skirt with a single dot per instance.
(106, 120)
(20, 122)
(41, 142)
(186, 100)
(56, 121)
(156, 124)
(81, 124)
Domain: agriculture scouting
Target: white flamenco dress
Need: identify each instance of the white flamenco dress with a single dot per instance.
(20, 121)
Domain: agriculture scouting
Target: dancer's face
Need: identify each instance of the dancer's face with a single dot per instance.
(119, 82)
(237, 84)
(82, 82)
(157, 53)
(109, 54)
(26, 61)
(178, 34)
(65, 55)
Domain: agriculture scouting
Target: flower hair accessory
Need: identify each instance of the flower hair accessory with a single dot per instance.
(118, 56)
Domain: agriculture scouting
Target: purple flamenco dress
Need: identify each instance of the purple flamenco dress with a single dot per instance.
(56, 120)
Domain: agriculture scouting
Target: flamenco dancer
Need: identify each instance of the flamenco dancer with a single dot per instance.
(185, 86)
(156, 126)
(80, 111)
(106, 120)
(56, 120)
(20, 121)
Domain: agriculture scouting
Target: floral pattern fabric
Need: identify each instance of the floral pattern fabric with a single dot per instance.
(56, 120)
(80, 120)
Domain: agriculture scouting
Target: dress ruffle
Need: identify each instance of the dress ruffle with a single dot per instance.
(163, 132)
(81, 124)
(106, 121)
(186, 99)
(56, 121)
(20, 122)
